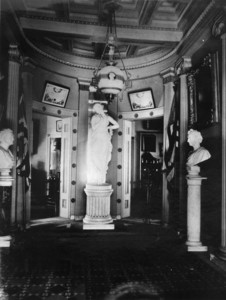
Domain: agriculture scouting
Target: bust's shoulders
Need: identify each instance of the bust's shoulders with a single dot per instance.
(202, 149)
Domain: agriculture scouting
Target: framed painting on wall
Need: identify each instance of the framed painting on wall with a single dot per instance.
(59, 125)
(55, 94)
(141, 99)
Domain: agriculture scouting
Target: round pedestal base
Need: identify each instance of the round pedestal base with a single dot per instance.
(196, 246)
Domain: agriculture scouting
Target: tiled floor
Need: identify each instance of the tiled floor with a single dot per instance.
(135, 261)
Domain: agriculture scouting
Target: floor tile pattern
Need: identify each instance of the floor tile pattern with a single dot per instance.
(134, 262)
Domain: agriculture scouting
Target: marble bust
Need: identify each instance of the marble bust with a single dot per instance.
(199, 153)
(6, 157)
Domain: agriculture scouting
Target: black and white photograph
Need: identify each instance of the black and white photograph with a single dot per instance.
(142, 99)
(112, 149)
(55, 95)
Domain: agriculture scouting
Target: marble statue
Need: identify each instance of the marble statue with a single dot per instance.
(6, 157)
(99, 145)
(199, 153)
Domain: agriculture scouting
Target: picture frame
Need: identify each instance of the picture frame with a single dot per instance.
(141, 99)
(55, 94)
(59, 125)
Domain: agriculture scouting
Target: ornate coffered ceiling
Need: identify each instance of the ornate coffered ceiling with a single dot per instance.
(78, 27)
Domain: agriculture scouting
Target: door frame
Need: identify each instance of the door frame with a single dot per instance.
(126, 171)
(131, 116)
(49, 110)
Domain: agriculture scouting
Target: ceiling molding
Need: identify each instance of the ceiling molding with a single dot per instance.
(147, 60)
(95, 32)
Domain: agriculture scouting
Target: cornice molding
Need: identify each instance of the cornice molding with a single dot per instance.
(143, 27)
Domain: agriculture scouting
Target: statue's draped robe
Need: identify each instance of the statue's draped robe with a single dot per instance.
(99, 149)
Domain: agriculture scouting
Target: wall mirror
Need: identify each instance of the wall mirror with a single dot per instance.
(54, 156)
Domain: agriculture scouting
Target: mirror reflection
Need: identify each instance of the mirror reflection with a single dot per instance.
(55, 153)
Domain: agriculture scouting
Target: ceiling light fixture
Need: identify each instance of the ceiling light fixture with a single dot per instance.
(110, 80)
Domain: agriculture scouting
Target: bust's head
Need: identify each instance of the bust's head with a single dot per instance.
(194, 137)
(6, 137)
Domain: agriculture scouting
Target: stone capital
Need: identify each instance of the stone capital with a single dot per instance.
(183, 65)
(219, 26)
(84, 84)
(14, 54)
(168, 75)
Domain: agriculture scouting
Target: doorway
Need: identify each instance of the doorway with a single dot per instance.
(53, 129)
(146, 169)
(45, 166)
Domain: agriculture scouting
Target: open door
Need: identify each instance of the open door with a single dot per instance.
(65, 174)
(126, 186)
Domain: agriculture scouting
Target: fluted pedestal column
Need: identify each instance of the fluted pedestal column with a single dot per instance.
(98, 207)
(194, 182)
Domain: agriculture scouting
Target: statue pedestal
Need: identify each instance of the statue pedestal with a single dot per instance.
(194, 182)
(98, 207)
(6, 181)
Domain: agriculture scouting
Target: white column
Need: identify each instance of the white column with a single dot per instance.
(194, 182)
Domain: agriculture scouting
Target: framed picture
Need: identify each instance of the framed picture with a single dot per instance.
(59, 125)
(141, 99)
(55, 94)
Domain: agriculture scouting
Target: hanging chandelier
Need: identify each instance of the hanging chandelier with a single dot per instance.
(110, 80)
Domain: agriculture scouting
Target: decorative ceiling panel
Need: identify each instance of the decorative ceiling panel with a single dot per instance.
(79, 27)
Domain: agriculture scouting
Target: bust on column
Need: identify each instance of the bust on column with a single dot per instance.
(6, 157)
(199, 153)
(6, 164)
(194, 181)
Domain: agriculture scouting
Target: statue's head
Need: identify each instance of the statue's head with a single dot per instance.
(194, 137)
(98, 107)
(6, 137)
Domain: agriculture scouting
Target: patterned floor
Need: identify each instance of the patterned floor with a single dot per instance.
(135, 261)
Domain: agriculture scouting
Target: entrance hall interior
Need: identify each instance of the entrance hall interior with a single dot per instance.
(156, 225)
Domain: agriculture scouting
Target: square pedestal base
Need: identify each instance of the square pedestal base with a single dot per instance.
(197, 248)
(98, 226)
(5, 241)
